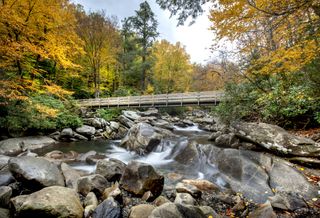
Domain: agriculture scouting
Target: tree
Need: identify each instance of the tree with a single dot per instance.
(101, 44)
(172, 69)
(144, 27)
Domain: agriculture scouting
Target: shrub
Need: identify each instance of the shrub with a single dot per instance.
(109, 114)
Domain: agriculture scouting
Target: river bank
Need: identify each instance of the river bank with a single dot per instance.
(147, 164)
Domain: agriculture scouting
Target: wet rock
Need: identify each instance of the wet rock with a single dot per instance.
(141, 138)
(132, 115)
(71, 175)
(28, 153)
(84, 156)
(5, 195)
(150, 112)
(93, 159)
(202, 184)
(141, 211)
(35, 172)
(306, 161)
(4, 213)
(15, 146)
(54, 201)
(147, 196)
(87, 131)
(184, 198)
(171, 210)
(113, 192)
(188, 188)
(139, 178)
(276, 139)
(109, 208)
(208, 211)
(125, 121)
(79, 137)
(6, 176)
(90, 204)
(264, 210)
(4, 161)
(92, 183)
(162, 124)
(215, 135)
(188, 155)
(111, 169)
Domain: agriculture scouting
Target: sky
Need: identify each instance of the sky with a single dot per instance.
(196, 38)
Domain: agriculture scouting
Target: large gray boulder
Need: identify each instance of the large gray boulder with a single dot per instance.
(71, 175)
(111, 169)
(125, 121)
(132, 115)
(276, 139)
(257, 176)
(87, 131)
(141, 138)
(15, 146)
(139, 178)
(98, 123)
(36, 172)
(54, 201)
(5, 195)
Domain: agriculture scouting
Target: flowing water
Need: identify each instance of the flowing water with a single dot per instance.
(162, 158)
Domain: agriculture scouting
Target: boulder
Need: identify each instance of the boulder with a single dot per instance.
(256, 175)
(277, 140)
(141, 211)
(141, 138)
(125, 121)
(54, 201)
(71, 175)
(4, 213)
(113, 191)
(188, 188)
(264, 210)
(4, 161)
(132, 115)
(90, 204)
(6, 176)
(171, 210)
(162, 124)
(160, 200)
(35, 172)
(227, 140)
(111, 169)
(87, 131)
(109, 208)
(150, 112)
(66, 133)
(92, 183)
(98, 123)
(139, 178)
(114, 125)
(184, 198)
(201, 184)
(5, 195)
(15, 146)
(189, 155)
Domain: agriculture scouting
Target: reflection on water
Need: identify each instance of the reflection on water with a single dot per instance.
(162, 158)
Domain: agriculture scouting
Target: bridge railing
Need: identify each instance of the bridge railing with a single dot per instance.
(175, 99)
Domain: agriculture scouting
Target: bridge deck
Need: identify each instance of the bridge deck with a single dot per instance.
(162, 100)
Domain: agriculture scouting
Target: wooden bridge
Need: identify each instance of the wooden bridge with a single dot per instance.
(162, 100)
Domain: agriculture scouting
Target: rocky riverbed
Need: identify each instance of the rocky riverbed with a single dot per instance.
(147, 164)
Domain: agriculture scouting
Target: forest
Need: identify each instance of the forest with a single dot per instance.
(54, 52)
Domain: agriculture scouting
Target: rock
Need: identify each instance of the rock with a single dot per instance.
(214, 136)
(87, 131)
(109, 208)
(264, 210)
(71, 175)
(184, 198)
(125, 121)
(79, 137)
(141, 138)
(15, 146)
(147, 196)
(226, 140)
(139, 178)
(93, 159)
(111, 169)
(83, 157)
(188, 155)
(6, 176)
(141, 211)
(28, 153)
(4, 161)
(201, 184)
(90, 204)
(150, 112)
(256, 175)
(35, 172)
(92, 183)
(171, 210)
(209, 212)
(162, 124)
(114, 125)
(188, 188)
(113, 192)
(5, 195)
(59, 155)
(98, 123)
(306, 161)
(276, 139)
(66, 133)
(132, 115)
(4, 213)
(160, 200)
(54, 201)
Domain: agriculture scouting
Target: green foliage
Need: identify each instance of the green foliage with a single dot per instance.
(41, 113)
(109, 114)
(126, 91)
(174, 111)
(289, 101)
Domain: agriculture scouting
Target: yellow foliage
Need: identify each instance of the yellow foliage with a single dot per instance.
(46, 111)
